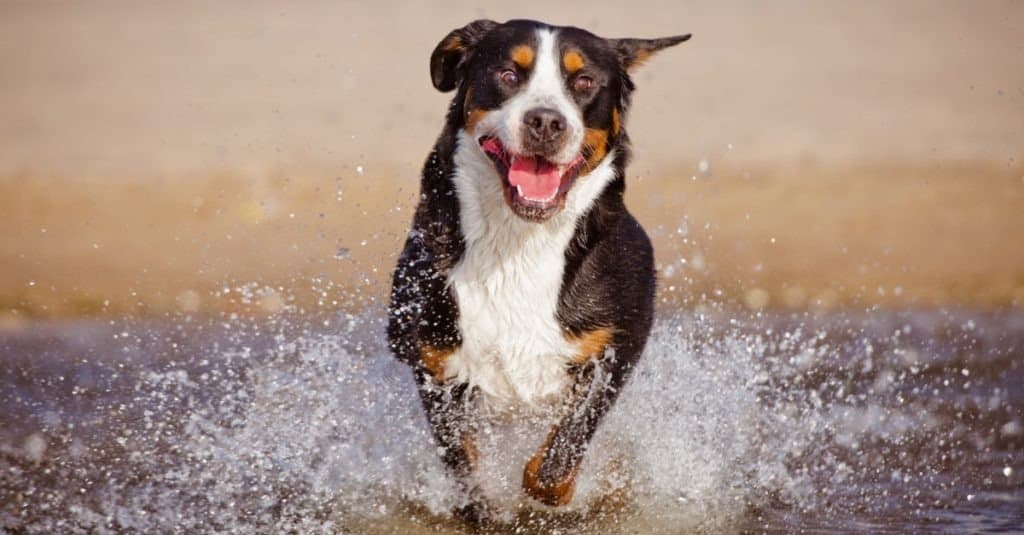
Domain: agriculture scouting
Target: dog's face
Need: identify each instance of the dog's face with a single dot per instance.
(546, 104)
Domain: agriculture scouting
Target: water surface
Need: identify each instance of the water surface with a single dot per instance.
(882, 421)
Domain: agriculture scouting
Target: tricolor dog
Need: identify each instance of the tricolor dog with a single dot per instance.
(524, 281)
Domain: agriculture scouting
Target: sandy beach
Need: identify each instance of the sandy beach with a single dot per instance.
(791, 155)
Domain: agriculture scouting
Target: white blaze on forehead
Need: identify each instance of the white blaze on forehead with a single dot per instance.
(545, 89)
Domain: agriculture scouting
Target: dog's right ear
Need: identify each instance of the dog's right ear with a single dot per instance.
(633, 52)
(453, 50)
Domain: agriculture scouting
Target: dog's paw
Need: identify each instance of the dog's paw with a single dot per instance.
(546, 487)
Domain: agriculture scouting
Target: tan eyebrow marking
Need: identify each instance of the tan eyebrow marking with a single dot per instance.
(572, 61)
(522, 55)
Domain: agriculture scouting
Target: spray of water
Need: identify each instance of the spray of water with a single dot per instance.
(312, 426)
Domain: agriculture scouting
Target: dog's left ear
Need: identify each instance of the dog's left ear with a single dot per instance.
(634, 52)
(453, 50)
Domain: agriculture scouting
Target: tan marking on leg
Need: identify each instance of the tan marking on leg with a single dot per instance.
(553, 493)
(434, 360)
(615, 122)
(572, 61)
(591, 344)
(522, 55)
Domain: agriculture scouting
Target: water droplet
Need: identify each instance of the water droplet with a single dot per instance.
(35, 447)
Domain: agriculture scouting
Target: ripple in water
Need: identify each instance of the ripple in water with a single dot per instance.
(788, 422)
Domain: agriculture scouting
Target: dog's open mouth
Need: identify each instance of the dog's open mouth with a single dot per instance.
(534, 187)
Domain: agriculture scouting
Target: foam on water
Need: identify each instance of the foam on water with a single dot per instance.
(268, 426)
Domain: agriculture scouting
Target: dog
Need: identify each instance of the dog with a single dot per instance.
(524, 281)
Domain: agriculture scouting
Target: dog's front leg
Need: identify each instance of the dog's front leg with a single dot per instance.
(550, 475)
(447, 408)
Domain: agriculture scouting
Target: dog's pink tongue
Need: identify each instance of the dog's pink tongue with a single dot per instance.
(536, 178)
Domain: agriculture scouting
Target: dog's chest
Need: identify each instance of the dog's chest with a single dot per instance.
(507, 288)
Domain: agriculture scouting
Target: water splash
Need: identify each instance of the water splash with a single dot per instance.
(726, 424)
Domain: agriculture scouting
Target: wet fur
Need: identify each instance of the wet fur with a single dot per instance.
(514, 307)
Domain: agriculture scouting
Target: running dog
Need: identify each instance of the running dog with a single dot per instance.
(524, 280)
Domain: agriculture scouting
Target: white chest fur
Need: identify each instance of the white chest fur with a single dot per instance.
(507, 284)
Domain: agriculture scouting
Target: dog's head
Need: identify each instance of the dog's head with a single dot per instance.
(546, 104)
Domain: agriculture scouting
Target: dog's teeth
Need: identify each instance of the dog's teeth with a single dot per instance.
(519, 190)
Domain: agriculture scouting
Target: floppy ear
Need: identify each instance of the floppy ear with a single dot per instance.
(634, 52)
(453, 50)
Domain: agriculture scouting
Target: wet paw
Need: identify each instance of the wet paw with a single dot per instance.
(543, 487)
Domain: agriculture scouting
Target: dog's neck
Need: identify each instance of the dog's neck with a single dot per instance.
(487, 221)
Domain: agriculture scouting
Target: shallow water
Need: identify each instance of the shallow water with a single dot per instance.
(901, 421)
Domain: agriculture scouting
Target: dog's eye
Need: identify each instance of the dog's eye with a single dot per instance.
(582, 83)
(509, 77)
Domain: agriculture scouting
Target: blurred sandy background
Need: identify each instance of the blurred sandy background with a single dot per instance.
(159, 155)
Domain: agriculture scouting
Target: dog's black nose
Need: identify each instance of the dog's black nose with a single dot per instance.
(544, 124)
